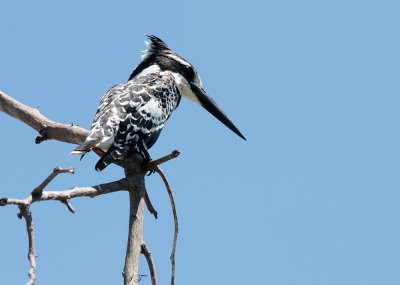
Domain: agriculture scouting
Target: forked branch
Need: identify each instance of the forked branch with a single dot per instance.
(57, 170)
(133, 182)
(63, 196)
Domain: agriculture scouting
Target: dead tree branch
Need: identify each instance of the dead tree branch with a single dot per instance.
(38, 190)
(66, 195)
(146, 252)
(133, 182)
(171, 199)
(62, 196)
(135, 177)
(153, 163)
(150, 206)
(25, 212)
(48, 130)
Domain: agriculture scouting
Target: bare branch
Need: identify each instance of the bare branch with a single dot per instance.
(25, 212)
(171, 198)
(130, 272)
(47, 129)
(66, 195)
(150, 206)
(133, 182)
(38, 190)
(146, 252)
(62, 196)
(69, 206)
(153, 163)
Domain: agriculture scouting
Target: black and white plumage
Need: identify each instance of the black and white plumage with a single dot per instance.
(131, 115)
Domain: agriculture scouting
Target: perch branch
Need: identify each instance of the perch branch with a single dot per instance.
(130, 272)
(135, 177)
(147, 254)
(133, 182)
(153, 163)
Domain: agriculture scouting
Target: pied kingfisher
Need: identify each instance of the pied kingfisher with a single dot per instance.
(131, 115)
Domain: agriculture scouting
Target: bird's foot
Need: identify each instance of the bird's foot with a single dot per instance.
(146, 168)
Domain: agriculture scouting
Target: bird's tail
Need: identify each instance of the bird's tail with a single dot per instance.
(85, 147)
(112, 154)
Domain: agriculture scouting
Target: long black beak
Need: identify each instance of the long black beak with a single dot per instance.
(209, 104)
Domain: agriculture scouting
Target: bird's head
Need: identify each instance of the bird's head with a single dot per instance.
(159, 57)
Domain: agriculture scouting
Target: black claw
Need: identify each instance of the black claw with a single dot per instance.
(146, 161)
(144, 166)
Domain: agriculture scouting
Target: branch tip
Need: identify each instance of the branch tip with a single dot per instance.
(152, 165)
(3, 201)
(59, 169)
(176, 153)
(150, 206)
(37, 192)
(69, 206)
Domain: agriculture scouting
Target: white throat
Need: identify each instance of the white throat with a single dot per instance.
(185, 89)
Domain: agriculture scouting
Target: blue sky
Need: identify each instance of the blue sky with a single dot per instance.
(311, 198)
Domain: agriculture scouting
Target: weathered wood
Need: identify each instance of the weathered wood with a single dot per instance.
(146, 252)
(133, 182)
(48, 130)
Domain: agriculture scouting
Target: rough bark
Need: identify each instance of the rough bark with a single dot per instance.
(135, 237)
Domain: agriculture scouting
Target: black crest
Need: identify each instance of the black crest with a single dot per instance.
(156, 44)
(156, 47)
(159, 53)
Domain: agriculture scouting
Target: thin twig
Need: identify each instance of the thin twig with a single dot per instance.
(150, 206)
(149, 258)
(26, 213)
(153, 163)
(57, 170)
(69, 206)
(171, 198)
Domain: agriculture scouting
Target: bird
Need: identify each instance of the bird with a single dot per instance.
(131, 115)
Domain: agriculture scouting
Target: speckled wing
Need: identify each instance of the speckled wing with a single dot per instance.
(109, 113)
(152, 99)
(131, 115)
